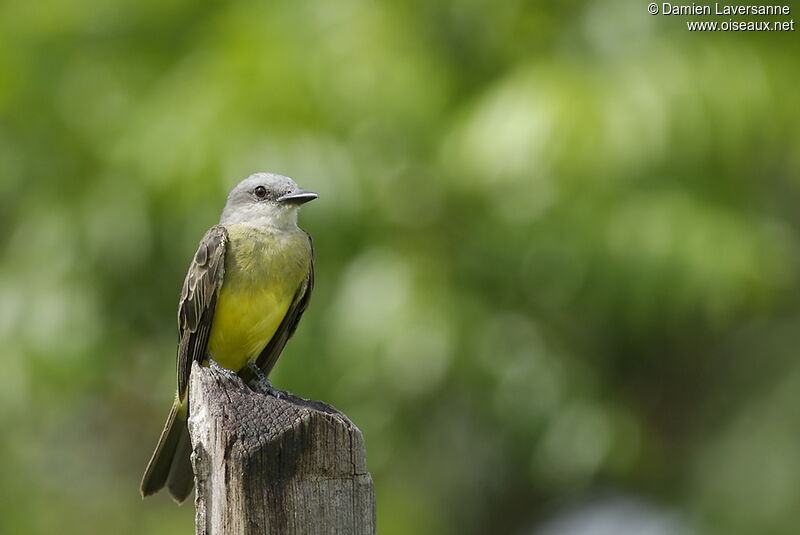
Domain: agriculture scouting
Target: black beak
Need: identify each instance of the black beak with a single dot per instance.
(298, 197)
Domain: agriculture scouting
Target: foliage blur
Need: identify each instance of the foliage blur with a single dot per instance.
(557, 252)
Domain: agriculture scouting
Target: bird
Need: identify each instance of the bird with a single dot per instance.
(245, 291)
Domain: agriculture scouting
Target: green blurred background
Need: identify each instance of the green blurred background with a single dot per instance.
(557, 253)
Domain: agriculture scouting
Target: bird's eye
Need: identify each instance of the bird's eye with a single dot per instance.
(260, 192)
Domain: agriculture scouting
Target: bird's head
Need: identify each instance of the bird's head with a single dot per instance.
(265, 199)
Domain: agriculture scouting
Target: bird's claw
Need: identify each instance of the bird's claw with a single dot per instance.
(217, 368)
(262, 384)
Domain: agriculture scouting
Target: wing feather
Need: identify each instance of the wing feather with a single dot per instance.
(198, 300)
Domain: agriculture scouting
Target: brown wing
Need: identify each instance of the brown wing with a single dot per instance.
(269, 355)
(198, 300)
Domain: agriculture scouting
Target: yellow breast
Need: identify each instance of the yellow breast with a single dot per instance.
(263, 270)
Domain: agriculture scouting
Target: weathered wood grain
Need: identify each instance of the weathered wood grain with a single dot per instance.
(265, 465)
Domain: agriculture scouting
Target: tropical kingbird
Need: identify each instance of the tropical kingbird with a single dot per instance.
(247, 287)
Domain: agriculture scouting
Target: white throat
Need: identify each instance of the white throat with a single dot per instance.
(261, 215)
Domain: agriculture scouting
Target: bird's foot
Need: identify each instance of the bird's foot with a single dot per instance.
(260, 383)
(217, 368)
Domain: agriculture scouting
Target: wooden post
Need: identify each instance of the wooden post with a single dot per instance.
(265, 465)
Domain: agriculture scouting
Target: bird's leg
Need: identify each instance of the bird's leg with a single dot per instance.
(217, 368)
(228, 375)
(261, 383)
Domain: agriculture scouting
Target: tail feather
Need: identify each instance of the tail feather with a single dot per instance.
(181, 476)
(170, 464)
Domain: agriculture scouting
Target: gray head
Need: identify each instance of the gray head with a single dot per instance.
(265, 199)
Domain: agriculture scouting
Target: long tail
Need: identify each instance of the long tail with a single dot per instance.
(170, 464)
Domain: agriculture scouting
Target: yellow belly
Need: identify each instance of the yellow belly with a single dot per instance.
(262, 275)
(244, 322)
